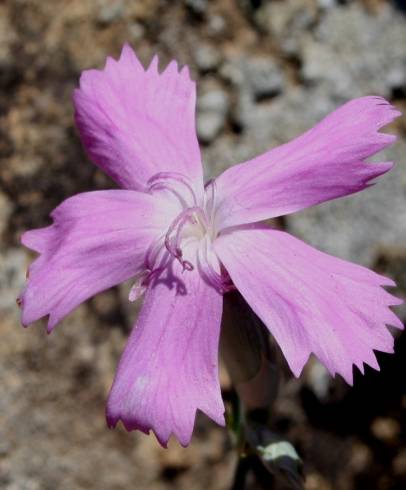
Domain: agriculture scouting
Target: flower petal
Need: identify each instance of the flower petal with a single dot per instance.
(324, 163)
(98, 239)
(310, 301)
(136, 123)
(169, 368)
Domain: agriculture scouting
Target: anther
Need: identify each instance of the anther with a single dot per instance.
(187, 266)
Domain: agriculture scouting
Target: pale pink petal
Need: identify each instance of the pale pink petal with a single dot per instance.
(136, 123)
(169, 368)
(98, 239)
(326, 162)
(310, 301)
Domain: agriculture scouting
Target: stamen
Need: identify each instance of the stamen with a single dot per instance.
(160, 181)
(187, 266)
(142, 281)
(139, 286)
(168, 187)
(153, 252)
(152, 274)
(177, 224)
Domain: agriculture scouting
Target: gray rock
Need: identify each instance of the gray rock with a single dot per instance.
(258, 77)
(216, 25)
(254, 80)
(207, 58)
(326, 4)
(198, 7)
(284, 118)
(209, 125)
(231, 71)
(13, 264)
(287, 22)
(137, 31)
(264, 77)
(110, 12)
(344, 55)
(212, 113)
(213, 100)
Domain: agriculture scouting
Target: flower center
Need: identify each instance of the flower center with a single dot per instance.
(188, 238)
(190, 224)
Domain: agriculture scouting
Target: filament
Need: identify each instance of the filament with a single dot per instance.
(159, 181)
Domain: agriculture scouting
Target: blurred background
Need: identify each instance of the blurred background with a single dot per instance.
(266, 71)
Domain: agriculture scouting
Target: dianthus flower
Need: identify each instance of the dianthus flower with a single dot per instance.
(185, 244)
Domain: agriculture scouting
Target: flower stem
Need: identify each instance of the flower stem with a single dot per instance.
(250, 361)
(247, 355)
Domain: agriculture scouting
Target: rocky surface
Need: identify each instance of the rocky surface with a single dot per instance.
(266, 71)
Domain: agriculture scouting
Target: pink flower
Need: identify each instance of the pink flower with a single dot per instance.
(186, 244)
